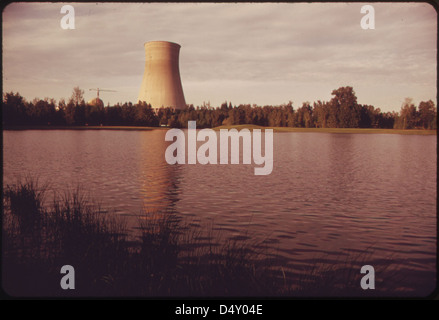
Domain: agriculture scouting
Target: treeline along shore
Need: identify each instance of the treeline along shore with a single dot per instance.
(341, 112)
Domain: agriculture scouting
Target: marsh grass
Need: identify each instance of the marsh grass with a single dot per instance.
(25, 201)
(38, 239)
(165, 256)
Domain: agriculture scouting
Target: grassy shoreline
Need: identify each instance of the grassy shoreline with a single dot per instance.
(167, 257)
(334, 130)
(238, 127)
(131, 128)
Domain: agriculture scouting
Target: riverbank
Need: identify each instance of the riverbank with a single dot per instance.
(238, 127)
(333, 130)
(166, 258)
(82, 128)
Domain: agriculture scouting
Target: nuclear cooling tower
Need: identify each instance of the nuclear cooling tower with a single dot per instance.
(161, 85)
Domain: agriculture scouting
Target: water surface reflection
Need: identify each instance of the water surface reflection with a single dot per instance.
(332, 200)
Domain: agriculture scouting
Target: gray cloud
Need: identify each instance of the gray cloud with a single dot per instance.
(247, 53)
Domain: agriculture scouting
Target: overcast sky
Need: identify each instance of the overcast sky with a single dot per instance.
(244, 53)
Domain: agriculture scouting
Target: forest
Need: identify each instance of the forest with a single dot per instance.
(342, 111)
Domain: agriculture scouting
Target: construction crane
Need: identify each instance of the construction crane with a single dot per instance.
(97, 89)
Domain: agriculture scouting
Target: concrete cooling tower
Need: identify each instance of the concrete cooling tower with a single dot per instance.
(161, 85)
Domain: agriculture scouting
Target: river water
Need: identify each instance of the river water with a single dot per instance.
(335, 201)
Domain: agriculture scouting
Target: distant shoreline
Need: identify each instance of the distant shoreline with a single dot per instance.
(131, 128)
(334, 130)
(238, 127)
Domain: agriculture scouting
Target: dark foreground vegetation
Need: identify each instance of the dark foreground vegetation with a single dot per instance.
(163, 257)
(342, 111)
